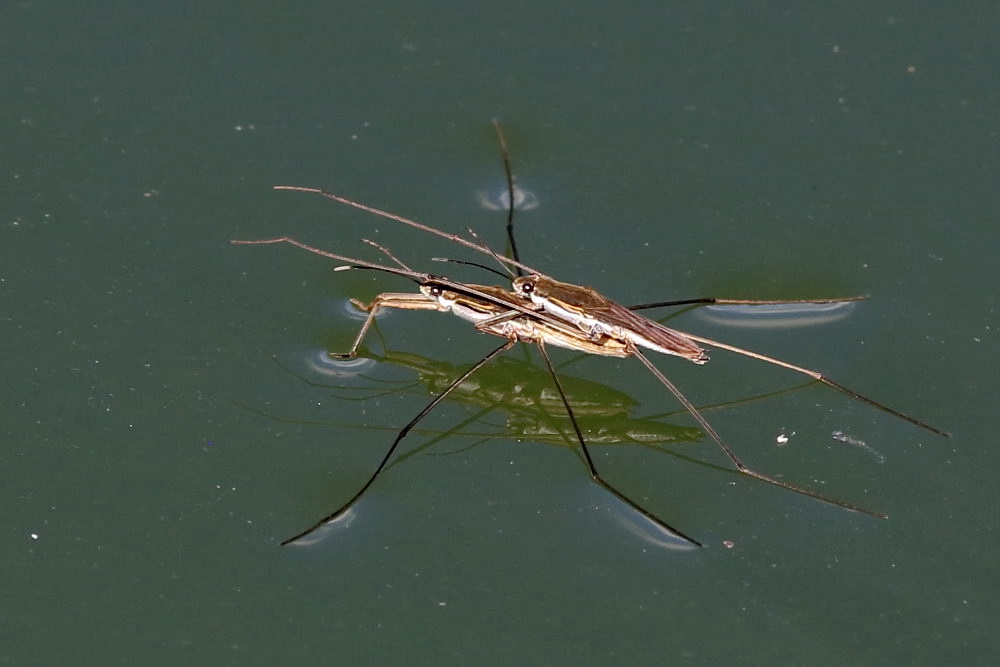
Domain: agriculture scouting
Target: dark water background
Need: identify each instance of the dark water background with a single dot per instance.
(155, 454)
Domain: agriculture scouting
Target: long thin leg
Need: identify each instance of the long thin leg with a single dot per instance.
(708, 300)
(673, 389)
(819, 377)
(742, 467)
(594, 474)
(508, 172)
(399, 437)
(401, 300)
(455, 238)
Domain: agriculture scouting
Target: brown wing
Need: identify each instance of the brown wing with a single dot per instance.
(640, 329)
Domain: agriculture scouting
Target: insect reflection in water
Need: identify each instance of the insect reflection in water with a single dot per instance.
(541, 310)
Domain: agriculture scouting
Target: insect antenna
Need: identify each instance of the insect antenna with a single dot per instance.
(468, 263)
(388, 253)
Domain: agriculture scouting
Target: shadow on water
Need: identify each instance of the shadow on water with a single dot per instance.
(531, 409)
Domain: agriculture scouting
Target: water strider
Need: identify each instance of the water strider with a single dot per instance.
(492, 310)
(540, 309)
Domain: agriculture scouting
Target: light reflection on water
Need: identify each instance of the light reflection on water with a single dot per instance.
(342, 522)
(346, 308)
(645, 529)
(499, 199)
(777, 316)
(321, 363)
